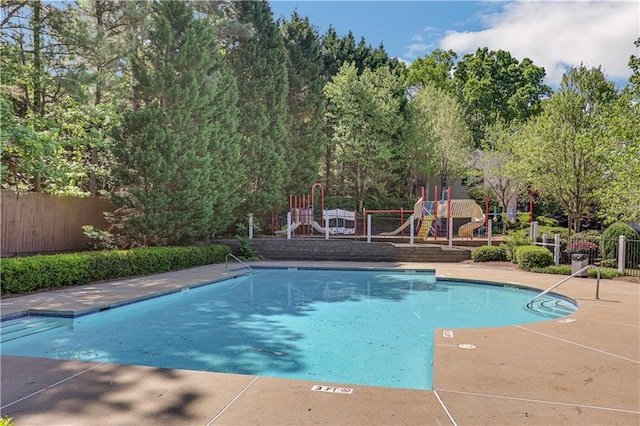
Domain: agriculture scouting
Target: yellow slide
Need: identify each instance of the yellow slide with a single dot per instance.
(425, 227)
(459, 209)
(477, 220)
(417, 211)
(283, 231)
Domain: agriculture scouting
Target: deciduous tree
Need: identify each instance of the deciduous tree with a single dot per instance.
(367, 121)
(442, 140)
(493, 84)
(559, 146)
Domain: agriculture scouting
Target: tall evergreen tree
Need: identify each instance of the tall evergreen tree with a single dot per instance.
(305, 102)
(176, 152)
(260, 63)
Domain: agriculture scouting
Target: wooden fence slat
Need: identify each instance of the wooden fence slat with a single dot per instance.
(39, 223)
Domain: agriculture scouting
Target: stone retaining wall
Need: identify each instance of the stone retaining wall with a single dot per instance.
(352, 250)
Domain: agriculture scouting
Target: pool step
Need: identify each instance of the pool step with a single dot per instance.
(27, 327)
(552, 307)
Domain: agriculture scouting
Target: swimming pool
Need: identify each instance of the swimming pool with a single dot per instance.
(344, 326)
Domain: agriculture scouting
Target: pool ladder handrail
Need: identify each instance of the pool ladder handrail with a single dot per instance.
(558, 284)
(226, 261)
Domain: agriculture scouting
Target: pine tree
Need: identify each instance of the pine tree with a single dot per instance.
(260, 64)
(305, 102)
(177, 152)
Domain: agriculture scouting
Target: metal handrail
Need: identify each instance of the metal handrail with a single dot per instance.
(226, 261)
(568, 278)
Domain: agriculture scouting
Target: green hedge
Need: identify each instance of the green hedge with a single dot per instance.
(26, 274)
(532, 257)
(605, 273)
(489, 254)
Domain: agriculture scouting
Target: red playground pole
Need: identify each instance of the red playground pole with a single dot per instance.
(486, 210)
(530, 208)
(435, 217)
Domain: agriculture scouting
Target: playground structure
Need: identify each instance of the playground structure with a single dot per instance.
(430, 214)
(303, 220)
(431, 219)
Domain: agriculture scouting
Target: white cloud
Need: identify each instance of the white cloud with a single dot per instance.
(557, 35)
(404, 61)
(420, 46)
(416, 49)
(430, 30)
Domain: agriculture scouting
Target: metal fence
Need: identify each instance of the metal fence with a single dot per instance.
(621, 253)
(437, 229)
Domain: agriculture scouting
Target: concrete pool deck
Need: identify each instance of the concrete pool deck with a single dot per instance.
(584, 369)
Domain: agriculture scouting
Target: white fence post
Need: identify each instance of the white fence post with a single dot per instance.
(288, 225)
(251, 226)
(450, 232)
(489, 231)
(411, 232)
(556, 249)
(368, 228)
(621, 253)
(326, 227)
(534, 232)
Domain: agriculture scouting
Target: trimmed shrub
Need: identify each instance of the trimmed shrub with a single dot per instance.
(489, 254)
(605, 273)
(531, 257)
(609, 242)
(26, 274)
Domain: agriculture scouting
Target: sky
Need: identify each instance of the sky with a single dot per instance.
(553, 34)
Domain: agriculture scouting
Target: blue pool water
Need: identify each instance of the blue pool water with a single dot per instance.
(352, 327)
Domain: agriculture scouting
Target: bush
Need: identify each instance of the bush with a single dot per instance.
(26, 274)
(489, 254)
(514, 239)
(605, 273)
(531, 257)
(547, 221)
(6, 421)
(583, 247)
(551, 231)
(609, 241)
(245, 249)
(591, 235)
(557, 270)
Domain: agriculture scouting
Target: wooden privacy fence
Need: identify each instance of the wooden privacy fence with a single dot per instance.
(40, 223)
